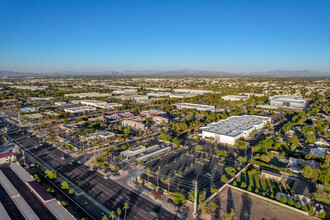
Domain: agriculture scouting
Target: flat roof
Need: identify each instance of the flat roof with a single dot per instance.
(24, 208)
(59, 211)
(21, 172)
(10, 189)
(3, 213)
(234, 125)
(42, 193)
(6, 155)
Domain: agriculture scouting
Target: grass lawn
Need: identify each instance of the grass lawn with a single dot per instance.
(260, 183)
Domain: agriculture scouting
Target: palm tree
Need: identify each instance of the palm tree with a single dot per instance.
(168, 180)
(119, 212)
(157, 173)
(148, 171)
(125, 207)
(112, 214)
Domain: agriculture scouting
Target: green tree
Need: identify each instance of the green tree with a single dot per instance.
(118, 212)
(243, 185)
(105, 217)
(126, 206)
(112, 215)
(310, 173)
(198, 147)
(231, 171)
(249, 188)
(65, 185)
(51, 174)
(291, 202)
(176, 142)
(71, 191)
(311, 210)
(283, 199)
(305, 208)
(241, 159)
(213, 206)
(297, 205)
(322, 214)
(294, 142)
(224, 179)
(310, 138)
(265, 158)
(178, 198)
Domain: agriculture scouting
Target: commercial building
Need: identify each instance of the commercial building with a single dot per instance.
(235, 97)
(89, 95)
(100, 104)
(158, 94)
(80, 109)
(135, 125)
(136, 151)
(137, 98)
(60, 103)
(100, 134)
(197, 107)
(33, 88)
(194, 91)
(271, 174)
(287, 101)
(184, 95)
(159, 119)
(152, 113)
(228, 131)
(7, 158)
(154, 154)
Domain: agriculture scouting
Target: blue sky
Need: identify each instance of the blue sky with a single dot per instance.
(234, 36)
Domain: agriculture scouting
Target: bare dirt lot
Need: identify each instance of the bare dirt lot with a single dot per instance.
(246, 207)
(249, 207)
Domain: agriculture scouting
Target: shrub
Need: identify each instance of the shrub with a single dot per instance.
(297, 205)
(224, 179)
(322, 214)
(290, 202)
(71, 191)
(243, 185)
(263, 193)
(305, 208)
(272, 195)
(257, 191)
(284, 199)
(234, 183)
(312, 210)
(213, 206)
(86, 203)
(249, 188)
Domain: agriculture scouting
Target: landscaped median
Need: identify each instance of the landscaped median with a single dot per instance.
(269, 200)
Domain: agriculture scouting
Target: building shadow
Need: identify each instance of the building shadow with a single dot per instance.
(230, 201)
(246, 208)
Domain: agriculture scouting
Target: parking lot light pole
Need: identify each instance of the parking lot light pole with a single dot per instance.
(195, 205)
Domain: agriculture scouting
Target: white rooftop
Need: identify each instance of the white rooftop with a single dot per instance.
(235, 125)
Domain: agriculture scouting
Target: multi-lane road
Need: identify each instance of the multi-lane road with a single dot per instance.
(107, 192)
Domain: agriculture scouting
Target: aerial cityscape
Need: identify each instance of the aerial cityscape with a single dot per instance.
(170, 110)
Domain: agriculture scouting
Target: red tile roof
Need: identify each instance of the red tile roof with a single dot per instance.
(6, 155)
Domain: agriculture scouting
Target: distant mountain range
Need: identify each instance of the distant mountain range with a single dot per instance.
(184, 72)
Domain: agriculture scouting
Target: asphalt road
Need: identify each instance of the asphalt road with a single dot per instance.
(107, 192)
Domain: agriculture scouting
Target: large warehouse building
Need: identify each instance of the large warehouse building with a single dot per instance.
(287, 100)
(228, 131)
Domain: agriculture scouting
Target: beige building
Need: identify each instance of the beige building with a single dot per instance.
(135, 125)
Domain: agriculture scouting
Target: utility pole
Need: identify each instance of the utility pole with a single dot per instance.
(195, 205)
(23, 157)
(19, 118)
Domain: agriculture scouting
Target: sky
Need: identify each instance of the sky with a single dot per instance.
(222, 35)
